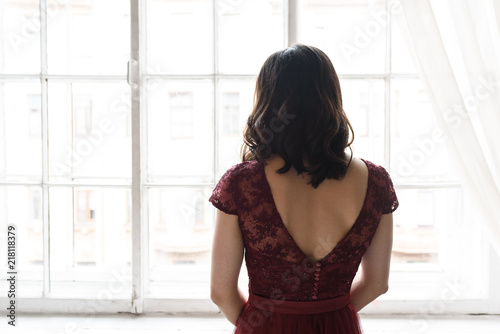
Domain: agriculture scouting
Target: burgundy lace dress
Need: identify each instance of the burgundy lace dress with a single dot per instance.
(290, 292)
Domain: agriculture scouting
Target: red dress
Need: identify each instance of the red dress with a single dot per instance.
(290, 292)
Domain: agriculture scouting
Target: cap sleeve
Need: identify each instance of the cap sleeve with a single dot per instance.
(224, 194)
(390, 203)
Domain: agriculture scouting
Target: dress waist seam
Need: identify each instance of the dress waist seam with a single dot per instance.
(299, 307)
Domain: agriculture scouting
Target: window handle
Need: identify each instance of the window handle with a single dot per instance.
(132, 71)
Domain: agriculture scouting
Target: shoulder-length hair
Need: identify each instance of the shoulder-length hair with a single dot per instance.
(298, 115)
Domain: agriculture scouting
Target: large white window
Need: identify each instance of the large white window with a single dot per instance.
(117, 119)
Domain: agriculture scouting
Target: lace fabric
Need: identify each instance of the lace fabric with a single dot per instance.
(277, 268)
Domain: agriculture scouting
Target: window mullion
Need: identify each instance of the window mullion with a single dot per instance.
(2, 61)
(137, 186)
(286, 5)
(292, 22)
(215, 82)
(45, 145)
(144, 145)
(388, 70)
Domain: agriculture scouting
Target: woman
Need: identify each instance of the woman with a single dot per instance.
(306, 213)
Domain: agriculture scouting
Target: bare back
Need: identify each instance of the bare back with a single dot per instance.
(317, 219)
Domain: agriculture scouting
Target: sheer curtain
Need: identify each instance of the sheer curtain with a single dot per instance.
(456, 46)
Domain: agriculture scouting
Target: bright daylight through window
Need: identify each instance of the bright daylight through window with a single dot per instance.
(67, 142)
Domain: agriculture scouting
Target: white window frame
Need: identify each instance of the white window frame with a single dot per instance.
(137, 78)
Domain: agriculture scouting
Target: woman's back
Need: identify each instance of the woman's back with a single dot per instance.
(302, 212)
(274, 258)
(300, 269)
(317, 219)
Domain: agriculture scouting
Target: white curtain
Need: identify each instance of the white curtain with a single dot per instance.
(456, 46)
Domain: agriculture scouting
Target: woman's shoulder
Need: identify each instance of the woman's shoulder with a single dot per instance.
(372, 166)
(376, 172)
(381, 182)
(242, 168)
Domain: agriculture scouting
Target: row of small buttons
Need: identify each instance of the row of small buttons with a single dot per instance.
(316, 281)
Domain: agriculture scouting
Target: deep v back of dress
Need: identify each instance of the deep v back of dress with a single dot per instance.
(291, 291)
(317, 219)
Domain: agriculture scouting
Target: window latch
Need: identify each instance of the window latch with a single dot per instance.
(132, 71)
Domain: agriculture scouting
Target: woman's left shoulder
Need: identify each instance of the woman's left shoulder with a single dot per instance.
(373, 166)
(241, 168)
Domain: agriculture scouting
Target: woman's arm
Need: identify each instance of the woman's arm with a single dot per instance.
(373, 278)
(227, 257)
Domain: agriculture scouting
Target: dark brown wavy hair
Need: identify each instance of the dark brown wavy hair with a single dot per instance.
(298, 115)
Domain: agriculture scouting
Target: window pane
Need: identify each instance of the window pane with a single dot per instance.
(20, 131)
(180, 238)
(180, 36)
(363, 102)
(435, 246)
(249, 31)
(181, 120)
(88, 37)
(352, 33)
(180, 132)
(402, 61)
(22, 207)
(93, 241)
(98, 145)
(19, 36)
(236, 101)
(230, 113)
(417, 229)
(418, 145)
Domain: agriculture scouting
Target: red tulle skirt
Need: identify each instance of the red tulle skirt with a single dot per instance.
(328, 316)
